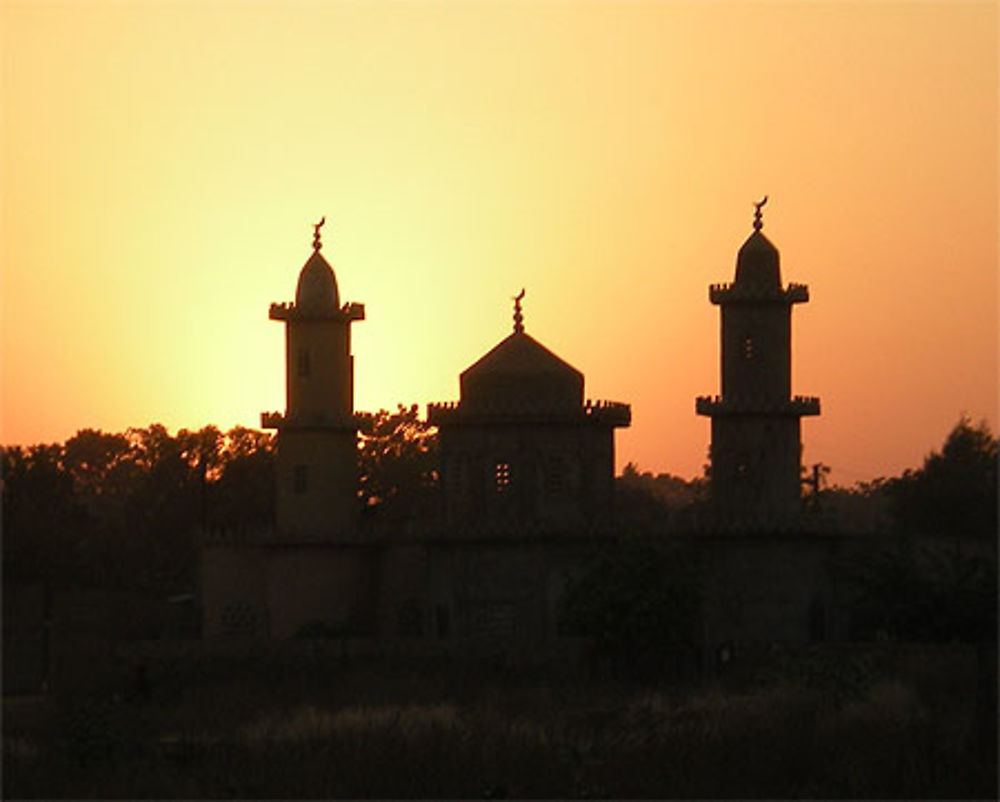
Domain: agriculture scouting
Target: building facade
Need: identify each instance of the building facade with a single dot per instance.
(527, 487)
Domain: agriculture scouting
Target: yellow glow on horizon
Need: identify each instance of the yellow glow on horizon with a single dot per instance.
(162, 164)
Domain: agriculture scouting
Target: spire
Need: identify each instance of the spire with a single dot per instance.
(758, 222)
(518, 317)
(317, 243)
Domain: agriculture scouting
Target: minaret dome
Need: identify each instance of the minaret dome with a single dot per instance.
(316, 294)
(758, 262)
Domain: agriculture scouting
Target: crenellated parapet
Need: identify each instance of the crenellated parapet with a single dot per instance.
(746, 404)
(289, 311)
(600, 413)
(271, 420)
(609, 413)
(741, 292)
(326, 420)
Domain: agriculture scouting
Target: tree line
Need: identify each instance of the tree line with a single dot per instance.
(123, 509)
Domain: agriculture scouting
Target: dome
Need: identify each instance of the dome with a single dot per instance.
(520, 375)
(758, 263)
(316, 293)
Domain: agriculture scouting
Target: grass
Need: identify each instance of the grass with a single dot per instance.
(384, 729)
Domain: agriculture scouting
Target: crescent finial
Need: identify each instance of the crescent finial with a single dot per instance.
(758, 221)
(518, 316)
(317, 243)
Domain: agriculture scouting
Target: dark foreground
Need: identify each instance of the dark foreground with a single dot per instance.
(227, 728)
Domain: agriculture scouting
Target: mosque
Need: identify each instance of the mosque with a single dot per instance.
(527, 487)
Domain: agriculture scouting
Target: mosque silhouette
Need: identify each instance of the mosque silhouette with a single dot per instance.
(527, 491)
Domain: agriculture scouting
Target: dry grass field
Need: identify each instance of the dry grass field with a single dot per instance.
(392, 729)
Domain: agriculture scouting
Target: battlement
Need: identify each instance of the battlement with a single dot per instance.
(289, 311)
(797, 406)
(755, 293)
(277, 420)
(353, 311)
(602, 413)
(613, 413)
(271, 420)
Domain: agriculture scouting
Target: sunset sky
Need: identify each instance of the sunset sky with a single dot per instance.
(163, 163)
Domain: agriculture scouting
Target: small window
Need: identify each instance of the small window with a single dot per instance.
(741, 470)
(455, 473)
(239, 619)
(503, 477)
(408, 623)
(748, 348)
(555, 476)
(300, 479)
(442, 615)
(303, 361)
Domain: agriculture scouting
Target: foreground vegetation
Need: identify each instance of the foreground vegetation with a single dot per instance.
(845, 729)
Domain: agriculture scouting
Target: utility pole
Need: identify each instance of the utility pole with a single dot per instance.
(816, 480)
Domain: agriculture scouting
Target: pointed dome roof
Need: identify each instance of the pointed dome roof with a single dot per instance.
(520, 374)
(316, 293)
(758, 262)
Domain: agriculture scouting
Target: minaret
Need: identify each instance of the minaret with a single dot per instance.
(756, 450)
(317, 435)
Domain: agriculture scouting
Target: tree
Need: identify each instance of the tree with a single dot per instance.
(121, 509)
(938, 580)
(929, 592)
(244, 491)
(654, 504)
(40, 513)
(955, 492)
(398, 465)
(639, 601)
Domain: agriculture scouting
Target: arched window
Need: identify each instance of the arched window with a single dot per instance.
(303, 362)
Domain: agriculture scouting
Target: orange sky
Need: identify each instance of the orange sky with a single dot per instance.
(163, 163)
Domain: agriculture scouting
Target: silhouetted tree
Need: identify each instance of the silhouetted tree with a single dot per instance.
(398, 465)
(934, 582)
(244, 490)
(921, 591)
(122, 509)
(40, 513)
(639, 601)
(955, 492)
(654, 504)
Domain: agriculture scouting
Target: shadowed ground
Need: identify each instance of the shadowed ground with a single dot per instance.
(812, 725)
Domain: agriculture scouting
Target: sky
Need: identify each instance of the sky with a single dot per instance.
(163, 164)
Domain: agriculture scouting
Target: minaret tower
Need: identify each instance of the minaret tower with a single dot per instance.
(317, 435)
(756, 450)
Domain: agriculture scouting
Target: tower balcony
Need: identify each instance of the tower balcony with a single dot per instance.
(756, 293)
(797, 406)
(289, 311)
(278, 420)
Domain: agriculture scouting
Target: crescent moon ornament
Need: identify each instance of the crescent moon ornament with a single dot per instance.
(518, 316)
(758, 221)
(317, 243)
